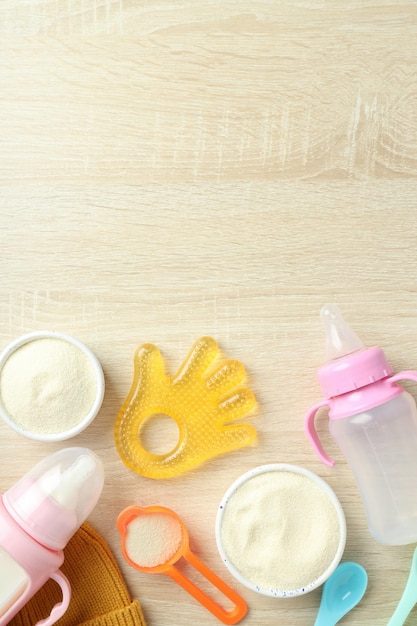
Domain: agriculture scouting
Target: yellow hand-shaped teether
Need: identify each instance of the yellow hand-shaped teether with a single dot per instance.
(201, 401)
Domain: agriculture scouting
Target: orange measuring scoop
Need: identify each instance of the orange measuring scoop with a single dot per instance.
(131, 513)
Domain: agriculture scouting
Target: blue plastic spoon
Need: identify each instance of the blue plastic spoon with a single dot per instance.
(409, 597)
(341, 593)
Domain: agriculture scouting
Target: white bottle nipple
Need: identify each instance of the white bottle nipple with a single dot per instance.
(341, 340)
(65, 487)
(56, 496)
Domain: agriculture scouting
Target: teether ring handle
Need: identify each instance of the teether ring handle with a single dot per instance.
(227, 617)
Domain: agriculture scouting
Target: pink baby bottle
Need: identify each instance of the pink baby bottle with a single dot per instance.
(38, 516)
(374, 422)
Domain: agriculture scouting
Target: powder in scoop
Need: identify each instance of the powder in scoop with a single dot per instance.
(152, 539)
(48, 385)
(280, 530)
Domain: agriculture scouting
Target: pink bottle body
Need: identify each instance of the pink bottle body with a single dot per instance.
(38, 516)
(39, 564)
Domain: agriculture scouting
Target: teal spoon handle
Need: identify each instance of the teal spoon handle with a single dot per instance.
(323, 617)
(407, 602)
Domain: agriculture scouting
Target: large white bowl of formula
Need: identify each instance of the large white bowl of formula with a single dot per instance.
(280, 530)
(51, 386)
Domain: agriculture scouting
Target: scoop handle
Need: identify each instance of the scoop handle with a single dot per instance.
(403, 609)
(405, 605)
(408, 599)
(227, 617)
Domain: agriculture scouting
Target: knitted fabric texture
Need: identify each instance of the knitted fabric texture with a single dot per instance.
(99, 594)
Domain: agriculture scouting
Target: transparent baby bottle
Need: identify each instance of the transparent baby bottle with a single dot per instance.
(38, 516)
(374, 422)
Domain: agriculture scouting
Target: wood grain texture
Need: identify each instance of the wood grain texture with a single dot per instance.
(282, 92)
(179, 169)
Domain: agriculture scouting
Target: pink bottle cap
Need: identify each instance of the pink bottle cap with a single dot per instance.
(350, 365)
(353, 371)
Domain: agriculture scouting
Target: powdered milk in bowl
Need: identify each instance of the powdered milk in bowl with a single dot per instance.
(280, 530)
(51, 386)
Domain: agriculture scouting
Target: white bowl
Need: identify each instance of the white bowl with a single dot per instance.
(61, 435)
(270, 590)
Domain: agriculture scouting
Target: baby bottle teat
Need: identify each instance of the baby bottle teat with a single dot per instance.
(350, 365)
(56, 496)
(340, 339)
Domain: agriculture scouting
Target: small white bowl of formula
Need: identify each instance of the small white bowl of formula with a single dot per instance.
(51, 386)
(280, 530)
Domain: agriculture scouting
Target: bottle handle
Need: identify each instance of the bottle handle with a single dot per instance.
(227, 617)
(312, 435)
(405, 375)
(59, 608)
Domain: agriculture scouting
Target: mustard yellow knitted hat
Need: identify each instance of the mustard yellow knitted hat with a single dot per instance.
(99, 594)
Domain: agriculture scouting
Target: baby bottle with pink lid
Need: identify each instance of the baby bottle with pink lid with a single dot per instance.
(38, 516)
(374, 422)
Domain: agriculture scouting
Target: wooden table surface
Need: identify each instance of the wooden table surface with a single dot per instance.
(177, 169)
